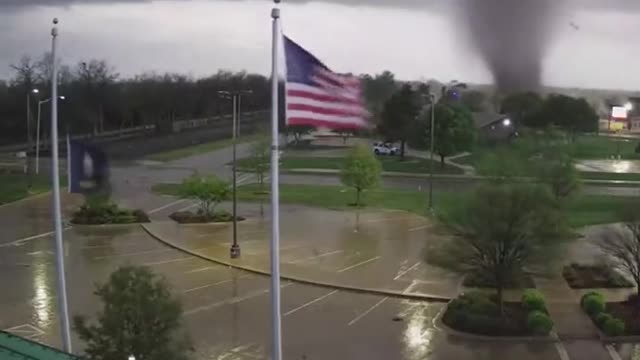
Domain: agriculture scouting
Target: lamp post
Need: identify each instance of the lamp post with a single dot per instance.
(29, 135)
(432, 97)
(235, 97)
(40, 103)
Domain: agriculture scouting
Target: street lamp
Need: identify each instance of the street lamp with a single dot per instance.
(628, 106)
(29, 136)
(38, 131)
(506, 122)
(235, 96)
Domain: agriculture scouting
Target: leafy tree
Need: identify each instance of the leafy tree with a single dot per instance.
(501, 231)
(140, 317)
(474, 100)
(208, 190)
(558, 171)
(377, 91)
(361, 170)
(259, 158)
(571, 114)
(454, 129)
(522, 107)
(298, 131)
(622, 246)
(399, 116)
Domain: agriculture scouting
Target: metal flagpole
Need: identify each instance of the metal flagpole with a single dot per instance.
(57, 220)
(276, 328)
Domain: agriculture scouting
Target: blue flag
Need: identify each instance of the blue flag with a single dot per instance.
(88, 167)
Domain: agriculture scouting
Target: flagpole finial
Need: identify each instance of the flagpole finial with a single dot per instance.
(54, 31)
(275, 13)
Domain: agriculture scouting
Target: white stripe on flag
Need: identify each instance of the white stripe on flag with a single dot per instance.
(293, 114)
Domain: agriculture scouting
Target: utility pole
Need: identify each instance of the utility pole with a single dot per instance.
(235, 97)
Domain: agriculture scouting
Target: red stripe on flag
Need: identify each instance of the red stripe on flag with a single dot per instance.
(322, 97)
(325, 110)
(321, 123)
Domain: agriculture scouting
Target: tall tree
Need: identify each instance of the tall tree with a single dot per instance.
(622, 246)
(361, 170)
(140, 317)
(454, 130)
(377, 91)
(97, 76)
(500, 232)
(522, 107)
(400, 115)
(474, 100)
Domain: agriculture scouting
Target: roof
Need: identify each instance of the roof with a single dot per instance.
(483, 119)
(16, 348)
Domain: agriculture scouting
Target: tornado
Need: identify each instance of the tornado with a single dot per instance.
(512, 36)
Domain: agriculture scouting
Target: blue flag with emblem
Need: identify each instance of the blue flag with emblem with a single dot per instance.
(87, 166)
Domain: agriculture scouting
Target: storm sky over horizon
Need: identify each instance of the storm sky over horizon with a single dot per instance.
(590, 43)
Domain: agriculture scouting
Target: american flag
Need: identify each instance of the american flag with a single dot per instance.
(319, 97)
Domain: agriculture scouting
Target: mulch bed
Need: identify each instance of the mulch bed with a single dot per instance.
(514, 322)
(187, 217)
(594, 277)
(627, 312)
(522, 281)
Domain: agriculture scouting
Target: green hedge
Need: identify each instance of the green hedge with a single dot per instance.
(533, 300)
(539, 322)
(107, 213)
(593, 303)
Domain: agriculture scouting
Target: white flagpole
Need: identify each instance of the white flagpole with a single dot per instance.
(276, 327)
(57, 219)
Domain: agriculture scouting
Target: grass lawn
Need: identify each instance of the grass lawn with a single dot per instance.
(609, 176)
(198, 149)
(582, 211)
(13, 187)
(389, 163)
(603, 147)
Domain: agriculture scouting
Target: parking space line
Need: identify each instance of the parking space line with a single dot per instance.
(133, 254)
(403, 273)
(610, 349)
(214, 284)
(418, 228)
(34, 237)
(200, 269)
(359, 264)
(562, 351)
(316, 257)
(310, 303)
(166, 206)
(168, 261)
(367, 311)
(232, 301)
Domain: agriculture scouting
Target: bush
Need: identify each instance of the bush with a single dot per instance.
(593, 303)
(533, 300)
(209, 191)
(613, 327)
(601, 319)
(539, 323)
(93, 213)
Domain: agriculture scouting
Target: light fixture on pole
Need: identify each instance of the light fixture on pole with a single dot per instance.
(38, 131)
(235, 96)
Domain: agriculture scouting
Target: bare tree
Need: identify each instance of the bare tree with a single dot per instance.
(96, 75)
(622, 245)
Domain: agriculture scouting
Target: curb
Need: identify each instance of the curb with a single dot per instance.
(440, 325)
(30, 197)
(372, 291)
(596, 182)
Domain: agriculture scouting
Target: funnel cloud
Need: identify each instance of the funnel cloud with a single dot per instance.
(512, 37)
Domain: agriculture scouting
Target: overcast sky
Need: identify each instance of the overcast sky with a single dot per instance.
(595, 43)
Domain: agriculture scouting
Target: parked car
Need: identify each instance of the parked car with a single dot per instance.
(380, 148)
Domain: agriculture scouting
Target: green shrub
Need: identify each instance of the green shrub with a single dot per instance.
(539, 323)
(591, 293)
(602, 318)
(593, 303)
(533, 300)
(613, 327)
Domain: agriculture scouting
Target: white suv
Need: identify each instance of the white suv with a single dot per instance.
(380, 148)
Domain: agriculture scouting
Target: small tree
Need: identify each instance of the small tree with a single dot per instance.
(208, 190)
(140, 317)
(454, 130)
(623, 248)
(361, 170)
(399, 116)
(558, 171)
(259, 158)
(501, 231)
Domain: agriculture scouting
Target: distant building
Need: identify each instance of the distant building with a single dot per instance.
(494, 127)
